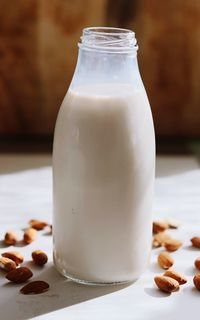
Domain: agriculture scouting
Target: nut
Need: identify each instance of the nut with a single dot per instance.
(197, 263)
(37, 224)
(39, 257)
(7, 264)
(159, 239)
(173, 223)
(15, 256)
(165, 260)
(35, 287)
(166, 284)
(175, 275)
(10, 238)
(19, 275)
(195, 242)
(196, 281)
(159, 226)
(30, 235)
(172, 244)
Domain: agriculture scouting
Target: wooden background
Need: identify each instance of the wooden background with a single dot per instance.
(38, 52)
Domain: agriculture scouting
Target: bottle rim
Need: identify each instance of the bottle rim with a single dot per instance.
(108, 39)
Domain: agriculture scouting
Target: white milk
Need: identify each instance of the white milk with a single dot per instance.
(103, 163)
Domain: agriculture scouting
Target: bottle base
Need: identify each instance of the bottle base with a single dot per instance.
(90, 282)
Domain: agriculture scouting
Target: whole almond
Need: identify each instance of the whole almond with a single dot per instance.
(19, 275)
(175, 275)
(16, 256)
(159, 226)
(172, 244)
(35, 287)
(159, 239)
(7, 264)
(165, 260)
(195, 242)
(37, 224)
(166, 284)
(196, 281)
(10, 238)
(39, 257)
(197, 263)
(30, 235)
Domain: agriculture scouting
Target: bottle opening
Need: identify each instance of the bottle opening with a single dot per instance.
(108, 39)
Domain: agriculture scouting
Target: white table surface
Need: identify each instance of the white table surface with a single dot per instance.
(25, 193)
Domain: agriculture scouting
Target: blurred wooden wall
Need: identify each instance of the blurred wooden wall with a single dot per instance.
(38, 51)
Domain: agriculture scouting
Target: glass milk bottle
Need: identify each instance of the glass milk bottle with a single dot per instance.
(103, 164)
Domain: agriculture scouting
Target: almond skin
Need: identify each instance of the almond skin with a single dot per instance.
(35, 287)
(172, 244)
(7, 264)
(175, 275)
(197, 263)
(159, 226)
(166, 284)
(30, 235)
(165, 260)
(37, 224)
(196, 281)
(15, 256)
(196, 242)
(19, 275)
(159, 239)
(39, 257)
(10, 238)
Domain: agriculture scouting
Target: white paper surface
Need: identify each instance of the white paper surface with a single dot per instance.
(25, 193)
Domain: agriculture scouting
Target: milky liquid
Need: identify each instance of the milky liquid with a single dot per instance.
(103, 172)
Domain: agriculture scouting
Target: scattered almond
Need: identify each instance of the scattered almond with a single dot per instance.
(30, 235)
(15, 256)
(19, 275)
(39, 257)
(195, 242)
(159, 239)
(10, 238)
(175, 275)
(7, 264)
(197, 263)
(35, 287)
(37, 224)
(166, 284)
(165, 260)
(159, 226)
(172, 244)
(196, 281)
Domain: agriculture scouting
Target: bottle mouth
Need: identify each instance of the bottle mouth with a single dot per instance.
(108, 39)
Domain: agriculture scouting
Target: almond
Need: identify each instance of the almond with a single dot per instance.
(37, 224)
(159, 226)
(35, 287)
(10, 238)
(165, 260)
(196, 281)
(195, 242)
(15, 256)
(39, 257)
(7, 264)
(175, 275)
(197, 263)
(172, 244)
(30, 235)
(19, 275)
(159, 239)
(166, 284)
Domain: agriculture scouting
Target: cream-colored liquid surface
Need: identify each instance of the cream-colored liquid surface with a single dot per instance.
(103, 174)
